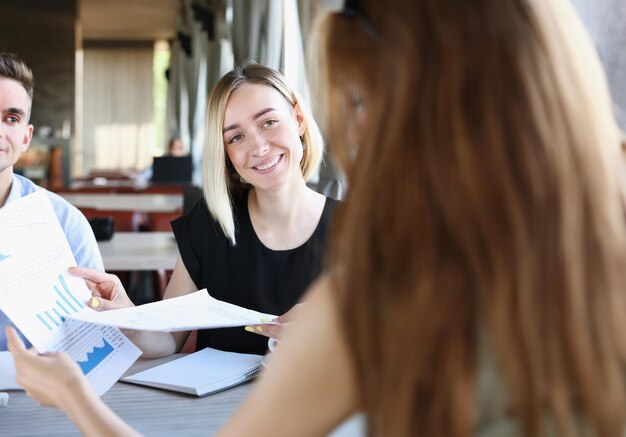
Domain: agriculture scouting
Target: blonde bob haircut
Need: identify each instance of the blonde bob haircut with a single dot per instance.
(221, 182)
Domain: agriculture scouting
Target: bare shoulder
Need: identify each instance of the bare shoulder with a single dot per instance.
(321, 297)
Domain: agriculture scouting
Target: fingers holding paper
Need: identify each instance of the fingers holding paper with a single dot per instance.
(107, 289)
(49, 378)
(275, 331)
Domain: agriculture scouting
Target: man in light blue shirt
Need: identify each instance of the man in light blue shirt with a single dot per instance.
(16, 93)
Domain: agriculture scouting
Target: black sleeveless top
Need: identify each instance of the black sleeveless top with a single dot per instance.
(249, 274)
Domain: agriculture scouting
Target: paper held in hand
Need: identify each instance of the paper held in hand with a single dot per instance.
(38, 294)
(197, 310)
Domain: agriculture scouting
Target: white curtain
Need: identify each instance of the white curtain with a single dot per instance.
(257, 31)
(118, 112)
(294, 65)
(198, 59)
(268, 32)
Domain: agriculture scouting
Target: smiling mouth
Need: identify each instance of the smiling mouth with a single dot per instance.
(269, 164)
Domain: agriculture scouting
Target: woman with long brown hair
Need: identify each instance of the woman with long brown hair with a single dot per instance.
(478, 267)
(476, 279)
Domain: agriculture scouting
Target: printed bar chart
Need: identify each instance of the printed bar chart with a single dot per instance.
(95, 357)
(66, 304)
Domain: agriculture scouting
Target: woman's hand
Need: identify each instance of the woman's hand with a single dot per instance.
(107, 289)
(52, 379)
(55, 380)
(275, 331)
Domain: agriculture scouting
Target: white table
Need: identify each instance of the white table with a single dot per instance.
(139, 251)
(126, 202)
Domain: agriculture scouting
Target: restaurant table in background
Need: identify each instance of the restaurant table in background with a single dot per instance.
(126, 202)
(152, 412)
(139, 251)
(105, 185)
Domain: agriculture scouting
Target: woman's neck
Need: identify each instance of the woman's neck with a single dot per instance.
(283, 218)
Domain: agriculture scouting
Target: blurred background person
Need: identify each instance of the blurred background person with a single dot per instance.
(175, 147)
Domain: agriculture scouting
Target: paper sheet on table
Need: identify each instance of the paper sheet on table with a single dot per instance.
(197, 310)
(38, 294)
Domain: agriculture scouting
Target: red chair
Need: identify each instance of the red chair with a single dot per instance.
(125, 221)
(160, 221)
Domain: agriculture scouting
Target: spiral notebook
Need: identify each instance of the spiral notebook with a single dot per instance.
(202, 373)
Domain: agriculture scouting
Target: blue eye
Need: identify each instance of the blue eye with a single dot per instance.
(235, 138)
(270, 122)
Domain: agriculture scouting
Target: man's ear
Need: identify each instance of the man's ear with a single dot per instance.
(28, 136)
(299, 119)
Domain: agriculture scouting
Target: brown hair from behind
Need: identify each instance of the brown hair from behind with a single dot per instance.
(485, 219)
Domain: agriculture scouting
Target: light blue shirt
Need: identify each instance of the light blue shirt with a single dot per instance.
(74, 224)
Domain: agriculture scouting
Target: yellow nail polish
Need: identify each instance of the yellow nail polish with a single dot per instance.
(94, 303)
(265, 320)
(249, 328)
(259, 329)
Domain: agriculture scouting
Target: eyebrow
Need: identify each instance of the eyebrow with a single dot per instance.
(261, 113)
(14, 111)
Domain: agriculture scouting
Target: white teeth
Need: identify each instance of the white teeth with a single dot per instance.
(268, 165)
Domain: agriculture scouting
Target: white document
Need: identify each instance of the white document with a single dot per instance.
(197, 310)
(38, 294)
(202, 373)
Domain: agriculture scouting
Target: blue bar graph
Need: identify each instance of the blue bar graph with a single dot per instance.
(62, 307)
(58, 315)
(67, 290)
(67, 304)
(95, 357)
(54, 322)
(65, 299)
(44, 322)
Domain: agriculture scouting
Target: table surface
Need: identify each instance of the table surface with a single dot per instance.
(139, 251)
(126, 202)
(151, 411)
